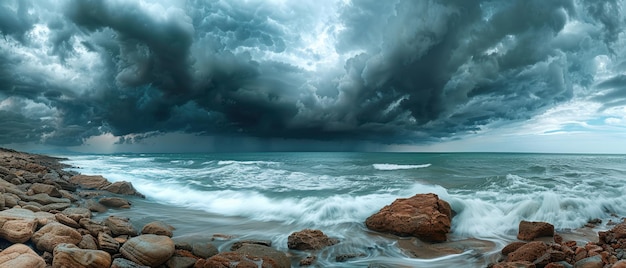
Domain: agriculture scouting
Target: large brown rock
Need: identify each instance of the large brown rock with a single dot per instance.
(120, 226)
(158, 228)
(529, 252)
(94, 227)
(115, 202)
(90, 182)
(309, 239)
(39, 188)
(17, 225)
(529, 230)
(275, 257)
(424, 216)
(68, 255)
(151, 250)
(53, 234)
(77, 214)
(20, 255)
(122, 187)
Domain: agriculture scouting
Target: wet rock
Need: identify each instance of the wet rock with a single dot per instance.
(309, 260)
(120, 226)
(94, 206)
(348, 256)
(180, 262)
(17, 225)
(20, 255)
(68, 255)
(266, 253)
(528, 252)
(90, 182)
(512, 247)
(204, 250)
(158, 228)
(246, 256)
(124, 263)
(114, 202)
(151, 250)
(53, 234)
(239, 244)
(309, 239)
(424, 216)
(590, 262)
(55, 206)
(530, 230)
(108, 243)
(122, 187)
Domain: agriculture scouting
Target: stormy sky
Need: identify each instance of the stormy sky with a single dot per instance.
(401, 75)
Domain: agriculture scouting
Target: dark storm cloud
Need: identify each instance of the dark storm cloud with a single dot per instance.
(384, 71)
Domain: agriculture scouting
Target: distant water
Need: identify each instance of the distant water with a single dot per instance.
(270, 195)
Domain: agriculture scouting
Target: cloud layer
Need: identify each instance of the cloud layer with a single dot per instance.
(377, 71)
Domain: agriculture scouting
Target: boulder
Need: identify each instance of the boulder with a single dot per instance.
(53, 234)
(528, 252)
(122, 187)
(309, 239)
(94, 227)
(17, 225)
(88, 242)
(590, 262)
(512, 247)
(94, 206)
(424, 216)
(39, 188)
(158, 228)
(77, 214)
(45, 199)
(108, 243)
(239, 244)
(90, 182)
(619, 230)
(64, 219)
(180, 262)
(237, 259)
(267, 254)
(68, 255)
(204, 250)
(151, 250)
(529, 230)
(114, 202)
(120, 226)
(20, 255)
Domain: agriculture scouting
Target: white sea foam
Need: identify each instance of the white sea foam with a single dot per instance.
(232, 162)
(398, 167)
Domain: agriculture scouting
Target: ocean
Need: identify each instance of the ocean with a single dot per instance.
(268, 196)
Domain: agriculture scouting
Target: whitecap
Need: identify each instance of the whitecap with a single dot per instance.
(398, 167)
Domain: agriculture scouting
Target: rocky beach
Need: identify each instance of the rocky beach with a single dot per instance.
(52, 217)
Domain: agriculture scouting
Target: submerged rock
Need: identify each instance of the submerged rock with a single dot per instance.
(424, 216)
(309, 239)
(529, 230)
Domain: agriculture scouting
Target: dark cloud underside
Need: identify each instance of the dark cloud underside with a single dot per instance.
(382, 71)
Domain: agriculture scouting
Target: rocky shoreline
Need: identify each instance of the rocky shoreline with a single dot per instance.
(47, 220)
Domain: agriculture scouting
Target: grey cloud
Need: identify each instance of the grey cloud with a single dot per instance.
(407, 71)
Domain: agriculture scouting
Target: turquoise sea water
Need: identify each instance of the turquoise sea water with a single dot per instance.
(270, 195)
